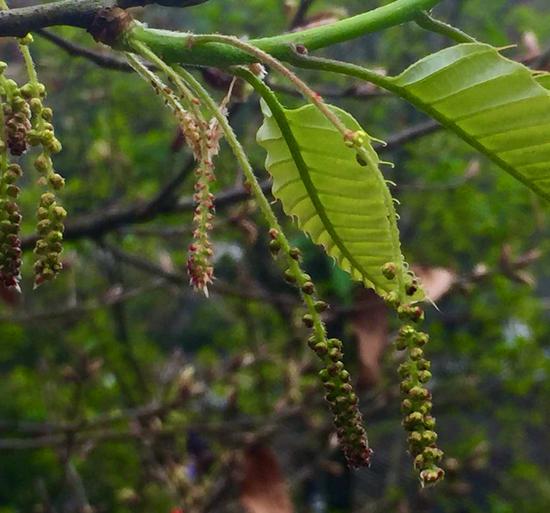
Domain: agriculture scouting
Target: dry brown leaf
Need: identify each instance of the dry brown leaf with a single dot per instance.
(263, 486)
(370, 325)
(436, 281)
(531, 44)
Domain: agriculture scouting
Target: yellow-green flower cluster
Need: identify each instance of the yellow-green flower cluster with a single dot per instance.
(49, 246)
(50, 214)
(416, 404)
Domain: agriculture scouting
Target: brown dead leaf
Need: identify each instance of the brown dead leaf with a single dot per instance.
(263, 486)
(370, 325)
(436, 281)
(531, 44)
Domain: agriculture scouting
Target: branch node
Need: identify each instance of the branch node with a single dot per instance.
(110, 24)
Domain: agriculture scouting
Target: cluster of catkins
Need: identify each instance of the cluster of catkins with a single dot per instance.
(26, 122)
(336, 379)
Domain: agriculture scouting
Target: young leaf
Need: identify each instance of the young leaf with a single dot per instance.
(497, 105)
(344, 205)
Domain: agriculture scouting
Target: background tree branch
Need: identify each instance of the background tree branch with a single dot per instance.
(76, 13)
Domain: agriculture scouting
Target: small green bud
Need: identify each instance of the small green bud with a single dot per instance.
(47, 199)
(406, 405)
(42, 163)
(36, 107)
(392, 299)
(335, 342)
(274, 247)
(419, 462)
(289, 276)
(421, 339)
(404, 370)
(321, 348)
(416, 353)
(42, 213)
(320, 306)
(295, 253)
(47, 114)
(433, 454)
(429, 437)
(44, 226)
(344, 376)
(425, 407)
(56, 181)
(418, 393)
(414, 438)
(389, 270)
(401, 343)
(324, 375)
(335, 368)
(412, 420)
(424, 376)
(412, 313)
(27, 91)
(58, 213)
(406, 385)
(432, 476)
(308, 288)
(26, 40)
(335, 354)
(423, 364)
(429, 422)
(12, 191)
(16, 170)
(307, 319)
(54, 237)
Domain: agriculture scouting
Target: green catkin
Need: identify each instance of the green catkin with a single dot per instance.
(203, 139)
(10, 143)
(48, 247)
(199, 267)
(50, 222)
(416, 402)
(336, 379)
(50, 214)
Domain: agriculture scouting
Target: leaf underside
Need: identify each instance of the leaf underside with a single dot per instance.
(343, 205)
(497, 105)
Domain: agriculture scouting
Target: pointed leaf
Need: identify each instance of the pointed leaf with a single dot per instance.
(497, 105)
(344, 206)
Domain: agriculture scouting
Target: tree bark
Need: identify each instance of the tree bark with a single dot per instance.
(76, 13)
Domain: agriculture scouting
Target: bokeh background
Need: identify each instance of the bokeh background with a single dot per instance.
(123, 390)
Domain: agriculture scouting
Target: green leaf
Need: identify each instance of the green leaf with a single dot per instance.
(497, 105)
(342, 205)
